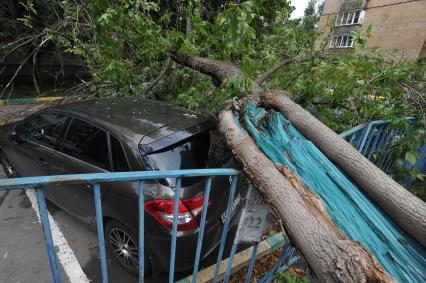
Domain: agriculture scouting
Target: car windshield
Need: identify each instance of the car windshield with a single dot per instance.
(191, 153)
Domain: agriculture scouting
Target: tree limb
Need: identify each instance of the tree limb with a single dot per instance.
(218, 70)
(416, 97)
(37, 89)
(16, 73)
(32, 53)
(273, 70)
(294, 79)
(163, 72)
(289, 60)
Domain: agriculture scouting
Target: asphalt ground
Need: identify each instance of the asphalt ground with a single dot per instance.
(23, 256)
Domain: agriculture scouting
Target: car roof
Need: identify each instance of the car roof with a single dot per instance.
(133, 118)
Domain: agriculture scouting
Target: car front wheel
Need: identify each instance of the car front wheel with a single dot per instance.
(122, 243)
(7, 166)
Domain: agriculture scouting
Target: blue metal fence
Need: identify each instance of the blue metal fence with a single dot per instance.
(375, 140)
(96, 178)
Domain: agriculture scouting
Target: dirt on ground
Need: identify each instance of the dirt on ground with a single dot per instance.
(294, 274)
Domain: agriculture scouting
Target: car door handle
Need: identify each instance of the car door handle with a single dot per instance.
(43, 162)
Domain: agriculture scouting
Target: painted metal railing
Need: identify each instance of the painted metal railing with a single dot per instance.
(375, 140)
(140, 177)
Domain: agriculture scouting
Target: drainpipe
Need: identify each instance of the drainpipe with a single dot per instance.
(364, 4)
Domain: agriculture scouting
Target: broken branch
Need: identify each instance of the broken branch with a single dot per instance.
(273, 70)
(163, 72)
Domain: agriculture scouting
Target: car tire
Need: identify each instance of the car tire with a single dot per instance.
(122, 244)
(7, 166)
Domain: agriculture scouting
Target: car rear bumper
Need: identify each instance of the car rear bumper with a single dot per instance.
(186, 246)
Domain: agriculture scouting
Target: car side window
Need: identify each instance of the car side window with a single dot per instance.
(87, 143)
(44, 129)
(119, 160)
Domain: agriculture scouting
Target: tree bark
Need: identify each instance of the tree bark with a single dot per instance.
(218, 70)
(407, 210)
(332, 257)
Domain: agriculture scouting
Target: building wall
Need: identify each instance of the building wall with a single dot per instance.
(377, 3)
(401, 26)
(331, 6)
(397, 24)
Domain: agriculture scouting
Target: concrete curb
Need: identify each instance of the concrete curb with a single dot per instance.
(32, 100)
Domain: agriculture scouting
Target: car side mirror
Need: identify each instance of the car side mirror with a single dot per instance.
(38, 133)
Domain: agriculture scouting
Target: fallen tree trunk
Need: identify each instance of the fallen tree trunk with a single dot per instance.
(332, 257)
(407, 210)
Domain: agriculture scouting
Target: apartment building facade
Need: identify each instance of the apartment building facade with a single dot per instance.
(397, 24)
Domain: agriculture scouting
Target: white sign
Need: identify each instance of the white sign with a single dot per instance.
(253, 218)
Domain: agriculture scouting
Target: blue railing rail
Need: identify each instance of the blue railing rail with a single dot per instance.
(375, 140)
(94, 179)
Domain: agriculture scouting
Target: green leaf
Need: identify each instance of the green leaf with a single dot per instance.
(411, 157)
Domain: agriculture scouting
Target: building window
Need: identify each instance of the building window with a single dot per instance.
(342, 41)
(350, 18)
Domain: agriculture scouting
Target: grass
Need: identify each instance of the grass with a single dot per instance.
(292, 275)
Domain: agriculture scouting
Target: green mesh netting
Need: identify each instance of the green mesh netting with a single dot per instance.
(357, 216)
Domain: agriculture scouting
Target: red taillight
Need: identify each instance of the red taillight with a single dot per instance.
(188, 210)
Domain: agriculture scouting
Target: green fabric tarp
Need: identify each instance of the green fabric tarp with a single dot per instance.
(357, 216)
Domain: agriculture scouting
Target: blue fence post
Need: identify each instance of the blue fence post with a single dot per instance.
(51, 253)
(352, 138)
(252, 261)
(201, 231)
(364, 138)
(141, 231)
(174, 230)
(386, 146)
(381, 142)
(287, 252)
(101, 239)
(371, 134)
(230, 261)
(234, 180)
(377, 137)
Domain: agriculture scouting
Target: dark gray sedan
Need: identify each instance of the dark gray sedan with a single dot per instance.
(126, 134)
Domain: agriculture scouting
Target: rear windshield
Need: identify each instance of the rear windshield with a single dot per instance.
(191, 153)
